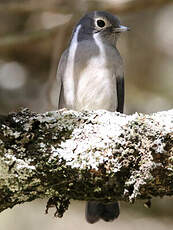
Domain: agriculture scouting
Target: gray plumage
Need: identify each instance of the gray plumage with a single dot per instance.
(90, 76)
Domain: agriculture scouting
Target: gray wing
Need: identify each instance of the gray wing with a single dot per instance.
(120, 93)
(59, 77)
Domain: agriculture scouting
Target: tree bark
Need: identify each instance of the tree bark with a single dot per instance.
(88, 155)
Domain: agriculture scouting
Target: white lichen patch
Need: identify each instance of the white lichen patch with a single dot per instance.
(42, 145)
(18, 173)
(159, 145)
(23, 167)
(9, 132)
(96, 141)
(93, 143)
(164, 119)
(159, 123)
(27, 126)
(48, 117)
(3, 170)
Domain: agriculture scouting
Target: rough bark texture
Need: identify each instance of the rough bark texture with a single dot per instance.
(89, 155)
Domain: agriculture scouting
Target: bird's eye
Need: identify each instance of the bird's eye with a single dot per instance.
(100, 23)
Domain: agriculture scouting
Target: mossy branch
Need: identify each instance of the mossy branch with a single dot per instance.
(89, 155)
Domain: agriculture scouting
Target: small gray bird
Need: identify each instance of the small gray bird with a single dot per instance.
(90, 76)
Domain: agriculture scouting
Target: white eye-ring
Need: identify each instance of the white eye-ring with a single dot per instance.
(101, 23)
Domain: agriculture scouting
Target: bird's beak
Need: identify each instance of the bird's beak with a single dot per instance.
(122, 29)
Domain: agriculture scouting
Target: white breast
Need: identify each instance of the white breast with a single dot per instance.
(97, 87)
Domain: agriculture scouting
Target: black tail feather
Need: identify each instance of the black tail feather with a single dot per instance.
(96, 210)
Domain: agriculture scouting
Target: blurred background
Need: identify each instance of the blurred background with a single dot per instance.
(33, 35)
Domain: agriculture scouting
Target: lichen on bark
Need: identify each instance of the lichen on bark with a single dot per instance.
(88, 155)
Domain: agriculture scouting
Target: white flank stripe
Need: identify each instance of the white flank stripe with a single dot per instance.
(68, 76)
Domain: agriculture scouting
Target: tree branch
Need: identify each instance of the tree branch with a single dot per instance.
(89, 155)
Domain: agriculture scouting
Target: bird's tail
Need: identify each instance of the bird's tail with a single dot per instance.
(96, 210)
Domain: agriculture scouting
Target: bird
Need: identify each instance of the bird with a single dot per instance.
(90, 76)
